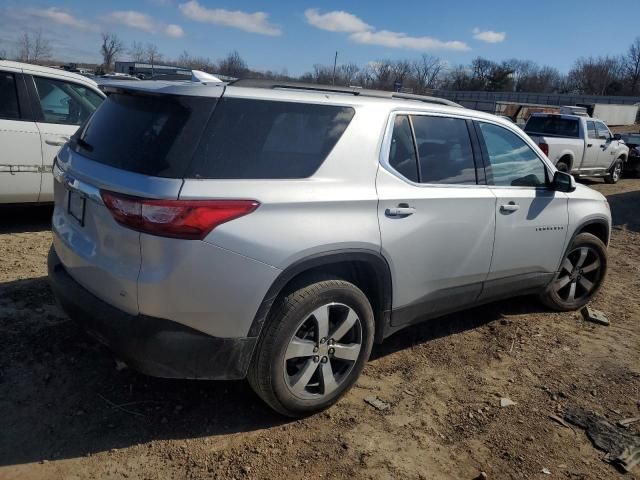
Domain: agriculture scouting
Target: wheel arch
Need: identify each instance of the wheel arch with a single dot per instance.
(566, 157)
(367, 269)
(596, 227)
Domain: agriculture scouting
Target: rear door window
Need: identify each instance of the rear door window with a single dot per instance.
(260, 139)
(147, 134)
(445, 155)
(8, 97)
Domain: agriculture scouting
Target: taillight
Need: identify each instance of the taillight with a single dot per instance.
(544, 147)
(186, 219)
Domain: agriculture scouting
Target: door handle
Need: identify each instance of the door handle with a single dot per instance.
(589, 145)
(509, 207)
(56, 142)
(402, 210)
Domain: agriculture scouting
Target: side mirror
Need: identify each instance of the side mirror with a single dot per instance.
(617, 136)
(563, 182)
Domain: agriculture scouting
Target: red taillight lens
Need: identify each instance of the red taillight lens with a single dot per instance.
(545, 148)
(186, 219)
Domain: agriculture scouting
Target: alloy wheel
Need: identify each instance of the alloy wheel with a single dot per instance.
(580, 274)
(323, 351)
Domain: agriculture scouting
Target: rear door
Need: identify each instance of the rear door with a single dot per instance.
(20, 153)
(62, 106)
(135, 144)
(531, 220)
(436, 222)
(592, 146)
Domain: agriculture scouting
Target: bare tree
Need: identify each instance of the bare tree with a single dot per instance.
(233, 65)
(597, 76)
(153, 56)
(632, 66)
(111, 47)
(426, 70)
(137, 52)
(33, 47)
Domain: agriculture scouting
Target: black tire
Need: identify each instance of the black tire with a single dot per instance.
(269, 370)
(615, 172)
(560, 298)
(563, 166)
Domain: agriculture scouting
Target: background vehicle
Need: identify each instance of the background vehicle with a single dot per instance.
(40, 108)
(632, 141)
(209, 231)
(578, 144)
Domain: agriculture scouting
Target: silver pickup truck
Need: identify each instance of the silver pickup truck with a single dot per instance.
(580, 145)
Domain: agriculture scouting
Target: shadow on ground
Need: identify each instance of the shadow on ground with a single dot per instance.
(18, 218)
(62, 396)
(625, 210)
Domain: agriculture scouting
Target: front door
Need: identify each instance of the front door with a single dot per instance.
(608, 149)
(20, 155)
(64, 106)
(436, 223)
(531, 220)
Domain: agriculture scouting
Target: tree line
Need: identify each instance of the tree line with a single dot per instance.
(603, 75)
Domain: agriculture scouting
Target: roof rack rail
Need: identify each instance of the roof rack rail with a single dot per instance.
(358, 91)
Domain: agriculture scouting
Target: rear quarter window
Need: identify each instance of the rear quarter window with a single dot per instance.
(260, 139)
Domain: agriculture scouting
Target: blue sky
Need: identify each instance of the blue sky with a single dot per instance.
(295, 35)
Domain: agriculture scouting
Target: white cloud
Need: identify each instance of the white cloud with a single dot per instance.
(336, 21)
(144, 22)
(173, 30)
(363, 33)
(489, 36)
(385, 38)
(257, 22)
(61, 17)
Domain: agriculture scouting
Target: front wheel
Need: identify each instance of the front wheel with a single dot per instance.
(313, 348)
(615, 173)
(581, 274)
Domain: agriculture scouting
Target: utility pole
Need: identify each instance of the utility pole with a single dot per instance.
(335, 61)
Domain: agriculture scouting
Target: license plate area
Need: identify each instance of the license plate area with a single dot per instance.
(76, 204)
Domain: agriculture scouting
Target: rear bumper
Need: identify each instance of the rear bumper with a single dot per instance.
(154, 346)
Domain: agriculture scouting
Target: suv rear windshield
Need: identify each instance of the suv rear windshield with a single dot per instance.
(561, 127)
(257, 139)
(148, 134)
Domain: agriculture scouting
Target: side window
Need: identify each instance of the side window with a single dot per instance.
(8, 97)
(444, 150)
(512, 161)
(64, 102)
(402, 154)
(603, 131)
(591, 129)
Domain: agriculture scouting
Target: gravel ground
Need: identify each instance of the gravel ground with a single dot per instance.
(67, 412)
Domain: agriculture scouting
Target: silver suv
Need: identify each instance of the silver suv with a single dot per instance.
(275, 232)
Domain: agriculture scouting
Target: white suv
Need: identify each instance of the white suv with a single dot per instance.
(40, 108)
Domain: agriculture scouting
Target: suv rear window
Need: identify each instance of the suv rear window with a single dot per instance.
(562, 127)
(148, 134)
(258, 139)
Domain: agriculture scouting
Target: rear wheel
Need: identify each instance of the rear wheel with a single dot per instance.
(581, 274)
(615, 173)
(563, 166)
(313, 348)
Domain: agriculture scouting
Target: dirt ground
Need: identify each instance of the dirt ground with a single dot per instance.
(67, 412)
